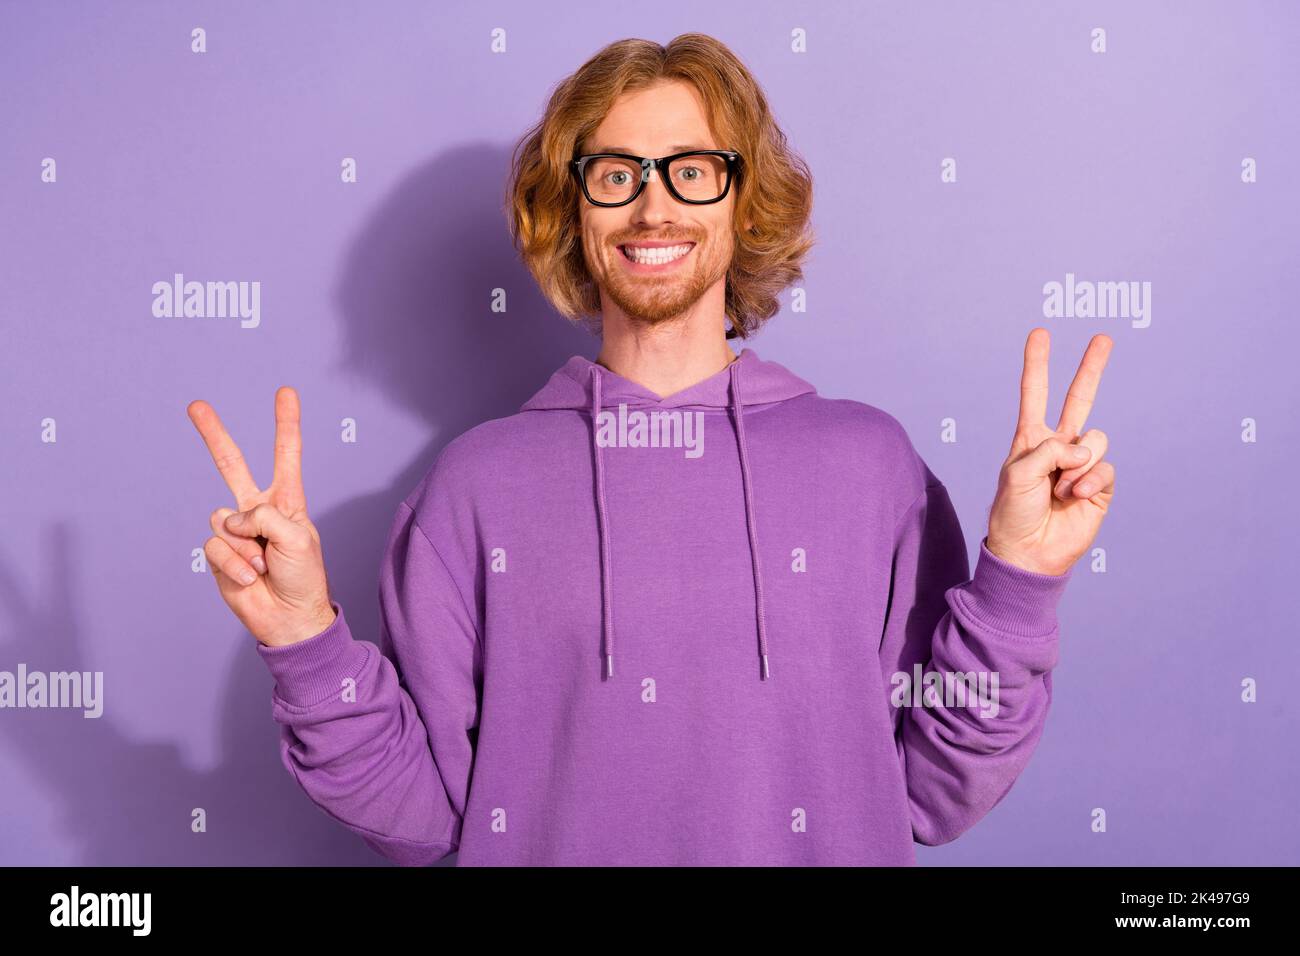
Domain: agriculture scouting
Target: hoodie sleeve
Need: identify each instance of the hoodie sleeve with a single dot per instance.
(382, 737)
(959, 762)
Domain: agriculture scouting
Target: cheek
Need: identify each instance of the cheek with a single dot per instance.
(592, 247)
(594, 238)
(721, 241)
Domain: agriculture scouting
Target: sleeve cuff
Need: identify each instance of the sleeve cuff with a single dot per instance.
(313, 670)
(1012, 599)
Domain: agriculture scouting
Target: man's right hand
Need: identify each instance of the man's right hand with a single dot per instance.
(265, 553)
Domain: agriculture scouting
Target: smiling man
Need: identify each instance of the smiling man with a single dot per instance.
(594, 649)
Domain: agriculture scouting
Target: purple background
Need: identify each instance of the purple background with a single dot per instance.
(376, 306)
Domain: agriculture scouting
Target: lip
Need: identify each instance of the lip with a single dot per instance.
(652, 268)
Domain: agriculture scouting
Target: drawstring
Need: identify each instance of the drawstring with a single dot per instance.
(739, 408)
(602, 514)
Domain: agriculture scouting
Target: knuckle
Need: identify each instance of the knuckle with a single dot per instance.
(229, 460)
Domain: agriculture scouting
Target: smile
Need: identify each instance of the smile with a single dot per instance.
(655, 255)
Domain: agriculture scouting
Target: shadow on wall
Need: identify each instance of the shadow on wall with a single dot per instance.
(414, 292)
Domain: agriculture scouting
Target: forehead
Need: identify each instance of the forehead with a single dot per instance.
(665, 118)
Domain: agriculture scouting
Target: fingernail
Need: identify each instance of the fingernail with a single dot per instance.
(247, 577)
(235, 518)
(259, 564)
(1063, 488)
(1086, 488)
(1080, 452)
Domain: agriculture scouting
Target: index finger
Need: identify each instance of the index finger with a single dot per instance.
(225, 453)
(1083, 390)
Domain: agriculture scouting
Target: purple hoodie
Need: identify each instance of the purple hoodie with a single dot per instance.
(672, 633)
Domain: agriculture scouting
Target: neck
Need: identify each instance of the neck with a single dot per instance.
(666, 357)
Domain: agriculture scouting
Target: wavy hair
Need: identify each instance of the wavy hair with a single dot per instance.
(773, 188)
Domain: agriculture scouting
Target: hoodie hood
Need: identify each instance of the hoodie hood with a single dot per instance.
(746, 382)
(570, 386)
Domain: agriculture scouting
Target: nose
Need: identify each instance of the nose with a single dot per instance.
(655, 204)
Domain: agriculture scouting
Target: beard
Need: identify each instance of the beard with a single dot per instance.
(653, 299)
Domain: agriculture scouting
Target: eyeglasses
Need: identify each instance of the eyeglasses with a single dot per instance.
(698, 177)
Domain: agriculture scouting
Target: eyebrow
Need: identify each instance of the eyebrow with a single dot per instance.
(679, 148)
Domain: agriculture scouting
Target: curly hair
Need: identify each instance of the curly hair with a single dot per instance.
(773, 188)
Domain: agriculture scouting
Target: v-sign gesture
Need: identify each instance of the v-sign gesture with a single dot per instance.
(1054, 489)
(266, 556)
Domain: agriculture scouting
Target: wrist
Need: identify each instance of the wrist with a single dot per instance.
(1022, 561)
(303, 630)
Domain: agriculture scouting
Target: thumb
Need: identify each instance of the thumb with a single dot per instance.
(1049, 455)
(267, 521)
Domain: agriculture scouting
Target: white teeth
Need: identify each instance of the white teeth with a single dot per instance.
(656, 256)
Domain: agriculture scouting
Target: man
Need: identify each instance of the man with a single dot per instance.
(675, 610)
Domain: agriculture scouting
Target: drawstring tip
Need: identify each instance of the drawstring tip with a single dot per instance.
(609, 665)
(766, 674)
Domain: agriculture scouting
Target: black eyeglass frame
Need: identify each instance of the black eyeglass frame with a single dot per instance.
(732, 157)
